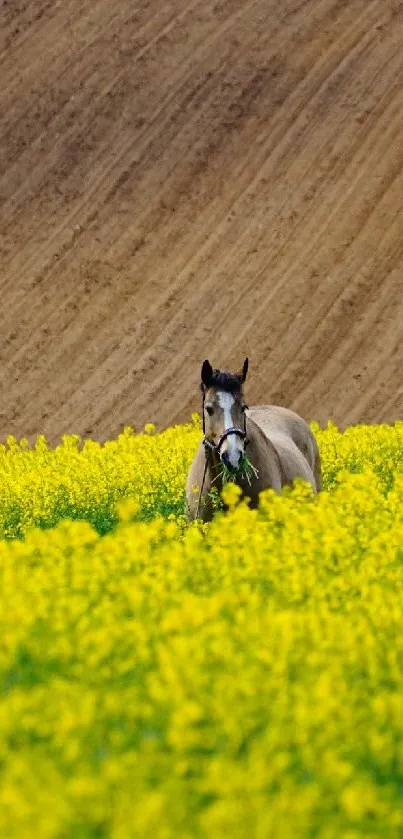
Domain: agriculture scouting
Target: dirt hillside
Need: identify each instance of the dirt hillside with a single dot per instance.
(213, 178)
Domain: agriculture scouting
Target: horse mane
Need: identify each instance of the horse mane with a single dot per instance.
(223, 380)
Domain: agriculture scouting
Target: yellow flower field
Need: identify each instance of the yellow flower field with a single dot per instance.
(165, 681)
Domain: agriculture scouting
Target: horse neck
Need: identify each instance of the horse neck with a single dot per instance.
(258, 441)
(263, 456)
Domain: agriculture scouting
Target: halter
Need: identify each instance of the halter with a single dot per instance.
(215, 447)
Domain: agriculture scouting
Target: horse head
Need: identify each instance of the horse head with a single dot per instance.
(224, 421)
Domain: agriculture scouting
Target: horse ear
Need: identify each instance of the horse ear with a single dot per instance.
(206, 373)
(245, 369)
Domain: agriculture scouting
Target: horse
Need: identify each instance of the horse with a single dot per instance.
(265, 446)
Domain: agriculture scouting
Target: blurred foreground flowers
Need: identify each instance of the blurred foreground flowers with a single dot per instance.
(163, 681)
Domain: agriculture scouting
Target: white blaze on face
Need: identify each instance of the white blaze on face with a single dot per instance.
(226, 401)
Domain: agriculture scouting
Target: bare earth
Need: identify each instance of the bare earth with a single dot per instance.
(213, 178)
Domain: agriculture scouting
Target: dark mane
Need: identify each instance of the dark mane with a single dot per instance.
(229, 382)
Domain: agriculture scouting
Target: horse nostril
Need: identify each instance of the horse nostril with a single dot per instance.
(225, 459)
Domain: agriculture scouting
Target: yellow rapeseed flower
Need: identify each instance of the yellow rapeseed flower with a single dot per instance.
(164, 680)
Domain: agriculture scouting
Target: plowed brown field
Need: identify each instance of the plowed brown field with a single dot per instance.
(188, 179)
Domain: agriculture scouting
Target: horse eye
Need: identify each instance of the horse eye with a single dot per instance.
(209, 409)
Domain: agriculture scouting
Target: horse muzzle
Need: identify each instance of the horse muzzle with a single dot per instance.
(225, 456)
(228, 463)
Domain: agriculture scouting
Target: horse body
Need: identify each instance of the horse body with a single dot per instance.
(288, 430)
(280, 446)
